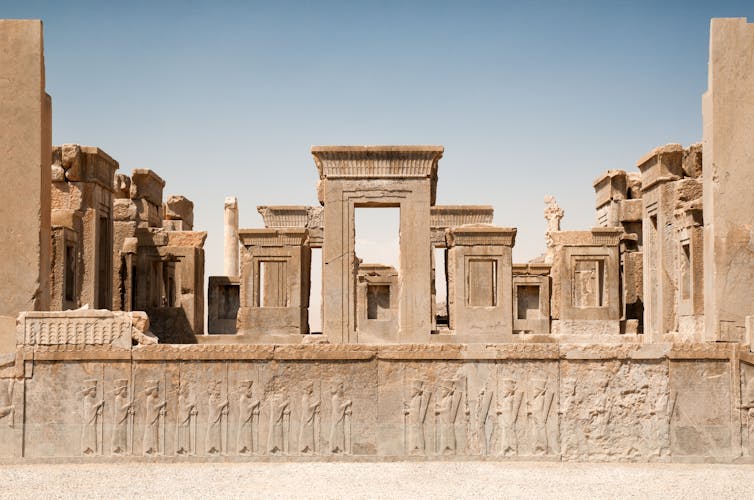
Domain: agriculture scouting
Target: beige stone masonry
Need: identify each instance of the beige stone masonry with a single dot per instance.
(728, 176)
(274, 285)
(25, 145)
(480, 283)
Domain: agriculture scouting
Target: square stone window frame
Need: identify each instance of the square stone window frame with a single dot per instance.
(612, 309)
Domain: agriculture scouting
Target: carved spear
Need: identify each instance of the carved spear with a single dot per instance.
(226, 411)
(100, 413)
(131, 412)
(164, 411)
(12, 415)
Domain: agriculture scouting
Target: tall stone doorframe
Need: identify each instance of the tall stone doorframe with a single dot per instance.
(274, 296)
(377, 176)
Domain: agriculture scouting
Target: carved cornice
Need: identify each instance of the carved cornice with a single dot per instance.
(480, 235)
(376, 162)
(273, 237)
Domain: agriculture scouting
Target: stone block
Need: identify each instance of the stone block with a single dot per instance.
(146, 185)
(180, 208)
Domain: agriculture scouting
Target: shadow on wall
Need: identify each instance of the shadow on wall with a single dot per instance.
(171, 325)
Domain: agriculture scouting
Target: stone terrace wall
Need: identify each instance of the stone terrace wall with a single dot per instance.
(628, 403)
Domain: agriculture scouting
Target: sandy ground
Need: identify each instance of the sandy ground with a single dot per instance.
(378, 480)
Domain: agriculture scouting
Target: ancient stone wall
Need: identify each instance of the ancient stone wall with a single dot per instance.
(567, 402)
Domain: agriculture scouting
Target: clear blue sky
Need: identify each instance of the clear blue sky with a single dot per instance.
(528, 98)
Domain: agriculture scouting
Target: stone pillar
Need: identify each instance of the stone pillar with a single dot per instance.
(660, 169)
(480, 288)
(231, 237)
(26, 145)
(728, 177)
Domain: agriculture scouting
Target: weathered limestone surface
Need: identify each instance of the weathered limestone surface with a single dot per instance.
(558, 402)
(728, 125)
(25, 152)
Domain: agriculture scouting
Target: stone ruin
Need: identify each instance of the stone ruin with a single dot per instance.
(631, 340)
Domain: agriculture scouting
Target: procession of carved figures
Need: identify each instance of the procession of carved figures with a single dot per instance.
(218, 438)
(506, 415)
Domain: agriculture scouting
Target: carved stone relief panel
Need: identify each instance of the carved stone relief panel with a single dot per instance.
(71, 408)
(11, 416)
(526, 409)
(700, 422)
(614, 409)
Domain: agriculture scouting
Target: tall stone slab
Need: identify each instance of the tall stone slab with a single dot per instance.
(25, 155)
(728, 173)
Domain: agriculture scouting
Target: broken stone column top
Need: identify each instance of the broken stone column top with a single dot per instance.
(85, 164)
(610, 186)
(273, 237)
(553, 214)
(146, 184)
(179, 207)
(662, 164)
(480, 235)
(231, 202)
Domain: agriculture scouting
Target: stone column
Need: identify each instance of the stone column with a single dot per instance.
(26, 145)
(728, 173)
(231, 237)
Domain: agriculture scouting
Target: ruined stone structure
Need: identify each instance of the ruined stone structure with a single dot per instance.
(631, 340)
